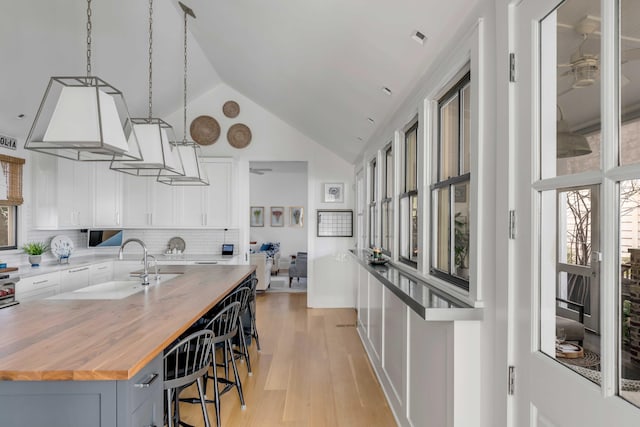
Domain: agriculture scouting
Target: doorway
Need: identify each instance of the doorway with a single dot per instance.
(278, 195)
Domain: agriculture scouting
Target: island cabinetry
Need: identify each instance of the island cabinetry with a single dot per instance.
(37, 287)
(136, 402)
(74, 278)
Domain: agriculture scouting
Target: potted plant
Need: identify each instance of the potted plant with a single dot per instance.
(461, 235)
(35, 251)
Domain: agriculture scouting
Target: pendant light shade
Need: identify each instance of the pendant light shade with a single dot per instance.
(194, 174)
(159, 156)
(569, 144)
(154, 135)
(83, 118)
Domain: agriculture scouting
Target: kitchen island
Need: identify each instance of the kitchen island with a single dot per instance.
(99, 362)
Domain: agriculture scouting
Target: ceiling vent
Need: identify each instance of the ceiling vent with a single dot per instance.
(418, 37)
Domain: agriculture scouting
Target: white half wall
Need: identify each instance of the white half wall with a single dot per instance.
(275, 140)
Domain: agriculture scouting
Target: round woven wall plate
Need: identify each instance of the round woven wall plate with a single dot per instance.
(204, 130)
(239, 135)
(231, 109)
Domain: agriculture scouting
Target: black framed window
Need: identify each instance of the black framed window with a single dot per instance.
(373, 173)
(408, 200)
(386, 202)
(450, 191)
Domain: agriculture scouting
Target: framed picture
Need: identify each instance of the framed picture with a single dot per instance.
(333, 192)
(257, 216)
(277, 216)
(296, 216)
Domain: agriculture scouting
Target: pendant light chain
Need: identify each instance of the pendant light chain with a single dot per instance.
(184, 118)
(150, 58)
(88, 38)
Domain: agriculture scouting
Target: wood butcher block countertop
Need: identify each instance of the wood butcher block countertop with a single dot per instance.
(50, 340)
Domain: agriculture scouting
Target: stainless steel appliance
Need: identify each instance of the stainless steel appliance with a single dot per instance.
(8, 290)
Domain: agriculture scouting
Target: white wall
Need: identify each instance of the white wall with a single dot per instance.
(283, 189)
(275, 140)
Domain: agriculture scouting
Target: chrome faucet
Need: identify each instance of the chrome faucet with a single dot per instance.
(145, 275)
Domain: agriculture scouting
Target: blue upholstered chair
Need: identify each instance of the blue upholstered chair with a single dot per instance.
(298, 267)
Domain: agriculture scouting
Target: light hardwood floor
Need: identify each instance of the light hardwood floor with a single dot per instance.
(312, 371)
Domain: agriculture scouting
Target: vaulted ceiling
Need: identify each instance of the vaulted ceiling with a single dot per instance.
(320, 65)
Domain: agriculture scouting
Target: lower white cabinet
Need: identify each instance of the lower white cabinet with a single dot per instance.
(74, 278)
(99, 273)
(37, 287)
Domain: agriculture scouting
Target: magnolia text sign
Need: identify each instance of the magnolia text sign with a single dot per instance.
(8, 142)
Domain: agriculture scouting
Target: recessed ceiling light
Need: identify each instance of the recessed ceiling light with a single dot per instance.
(386, 90)
(20, 116)
(418, 37)
(371, 120)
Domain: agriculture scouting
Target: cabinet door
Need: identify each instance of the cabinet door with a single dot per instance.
(136, 210)
(44, 190)
(219, 194)
(74, 190)
(73, 279)
(191, 212)
(107, 190)
(100, 273)
(163, 201)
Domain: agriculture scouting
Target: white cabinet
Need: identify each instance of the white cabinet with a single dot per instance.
(99, 273)
(37, 287)
(221, 195)
(163, 204)
(136, 211)
(107, 192)
(74, 190)
(44, 190)
(190, 206)
(61, 189)
(74, 278)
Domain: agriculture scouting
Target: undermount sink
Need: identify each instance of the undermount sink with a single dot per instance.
(112, 290)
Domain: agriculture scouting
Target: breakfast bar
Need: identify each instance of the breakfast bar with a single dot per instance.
(66, 362)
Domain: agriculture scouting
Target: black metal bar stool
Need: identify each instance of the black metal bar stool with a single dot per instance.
(252, 310)
(187, 362)
(224, 326)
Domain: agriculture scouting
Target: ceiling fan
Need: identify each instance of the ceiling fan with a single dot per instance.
(583, 67)
(259, 171)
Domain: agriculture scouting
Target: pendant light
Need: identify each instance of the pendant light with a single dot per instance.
(569, 144)
(159, 157)
(194, 173)
(82, 118)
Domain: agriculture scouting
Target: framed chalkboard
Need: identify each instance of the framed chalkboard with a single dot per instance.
(335, 223)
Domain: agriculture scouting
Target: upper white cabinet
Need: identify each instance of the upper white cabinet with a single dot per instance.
(61, 192)
(74, 188)
(107, 197)
(221, 195)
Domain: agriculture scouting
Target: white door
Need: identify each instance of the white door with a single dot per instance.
(564, 104)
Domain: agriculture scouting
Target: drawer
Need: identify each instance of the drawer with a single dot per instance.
(34, 283)
(40, 293)
(146, 384)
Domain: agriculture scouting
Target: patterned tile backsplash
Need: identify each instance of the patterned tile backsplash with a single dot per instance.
(203, 241)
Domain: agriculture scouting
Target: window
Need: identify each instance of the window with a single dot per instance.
(10, 199)
(408, 215)
(386, 202)
(373, 238)
(450, 190)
